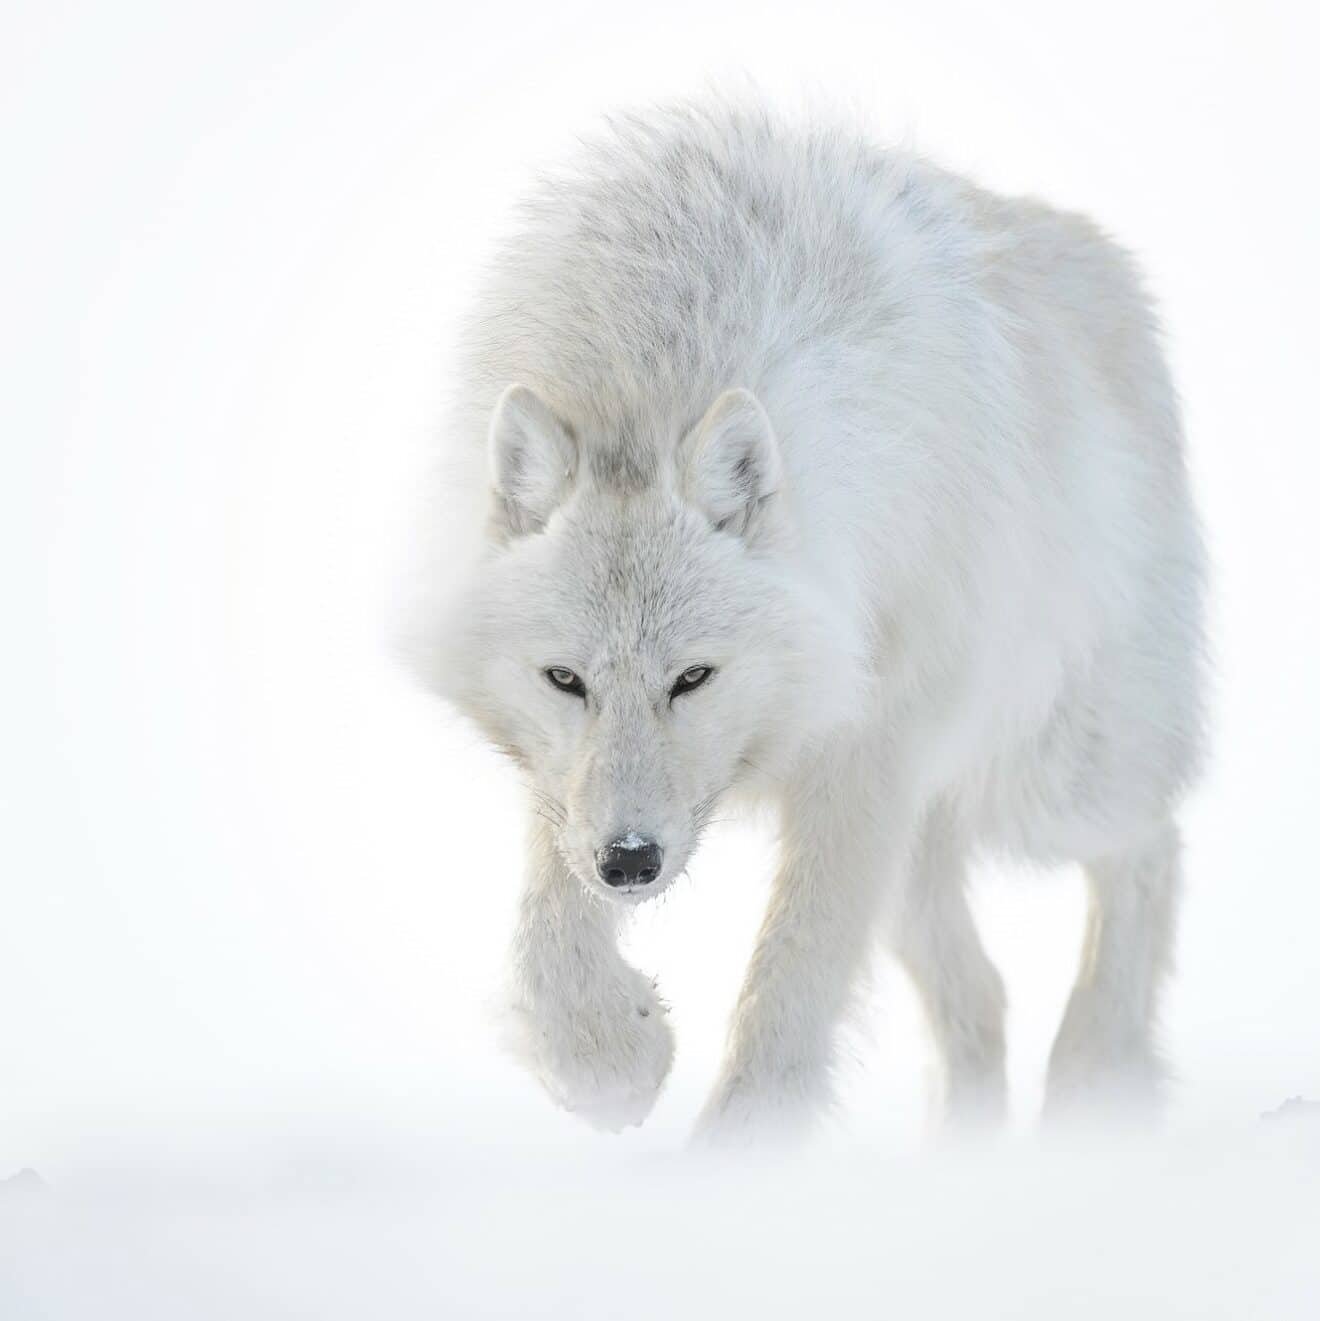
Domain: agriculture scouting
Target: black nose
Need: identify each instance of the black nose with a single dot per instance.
(631, 860)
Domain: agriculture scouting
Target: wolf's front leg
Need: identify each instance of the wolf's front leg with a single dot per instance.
(847, 830)
(587, 1024)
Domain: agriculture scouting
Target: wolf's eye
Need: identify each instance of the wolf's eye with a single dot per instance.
(691, 678)
(566, 681)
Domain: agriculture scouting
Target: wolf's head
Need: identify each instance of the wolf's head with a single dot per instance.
(639, 644)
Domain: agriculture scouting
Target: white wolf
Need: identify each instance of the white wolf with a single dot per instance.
(807, 471)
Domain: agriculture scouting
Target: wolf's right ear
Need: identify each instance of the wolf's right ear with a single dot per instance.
(532, 458)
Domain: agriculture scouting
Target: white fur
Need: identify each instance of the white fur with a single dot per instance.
(901, 460)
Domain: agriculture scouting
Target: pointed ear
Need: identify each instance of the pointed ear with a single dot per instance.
(532, 460)
(733, 463)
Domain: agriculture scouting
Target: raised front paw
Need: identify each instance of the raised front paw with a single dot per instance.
(603, 1056)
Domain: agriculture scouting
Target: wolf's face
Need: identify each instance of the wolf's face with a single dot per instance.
(637, 652)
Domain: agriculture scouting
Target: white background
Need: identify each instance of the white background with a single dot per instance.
(256, 887)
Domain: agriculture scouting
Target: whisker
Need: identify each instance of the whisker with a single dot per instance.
(701, 812)
(548, 806)
(746, 761)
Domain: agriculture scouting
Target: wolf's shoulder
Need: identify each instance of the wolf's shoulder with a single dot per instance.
(685, 245)
(739, 168)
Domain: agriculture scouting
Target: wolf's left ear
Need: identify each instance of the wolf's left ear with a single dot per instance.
(732, 464)
(532, 458)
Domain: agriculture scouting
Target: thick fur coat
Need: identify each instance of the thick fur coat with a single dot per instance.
(786, 466)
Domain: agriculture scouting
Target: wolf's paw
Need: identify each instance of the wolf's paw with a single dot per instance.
(740, 1115)
(1122, 1095)
(1102, 1077)
(604, 1058)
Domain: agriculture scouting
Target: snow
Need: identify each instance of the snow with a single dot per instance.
(1220, 1225)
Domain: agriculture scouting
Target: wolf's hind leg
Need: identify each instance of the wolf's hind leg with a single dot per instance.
(937, 942)
(1105, 1058)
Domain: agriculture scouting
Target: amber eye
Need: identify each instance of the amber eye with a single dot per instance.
(566, 681)
(691, 678)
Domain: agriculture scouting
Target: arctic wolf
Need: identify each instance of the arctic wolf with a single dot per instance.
(796, 469)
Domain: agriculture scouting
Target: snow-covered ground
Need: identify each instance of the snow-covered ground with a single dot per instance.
(1222, 1226)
